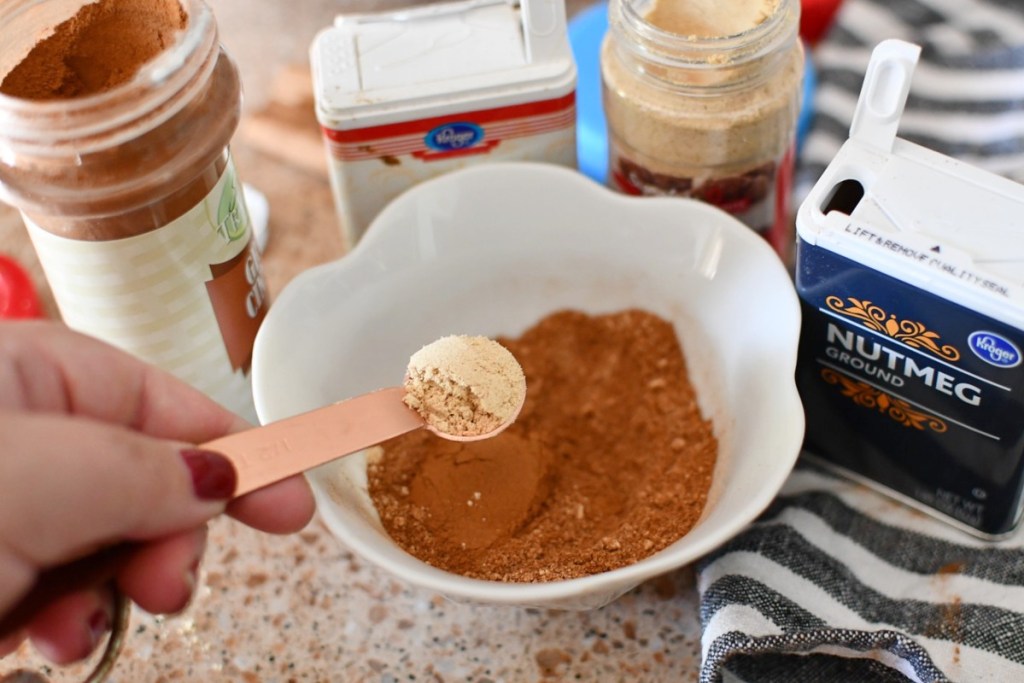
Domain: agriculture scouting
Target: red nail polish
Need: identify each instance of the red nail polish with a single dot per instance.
(98, 624)
(213, 475)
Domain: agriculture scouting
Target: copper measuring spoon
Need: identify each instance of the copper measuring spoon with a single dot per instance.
(261, 456)
(264, 455)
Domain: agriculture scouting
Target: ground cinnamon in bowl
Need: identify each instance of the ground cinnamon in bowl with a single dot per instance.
(609, 462)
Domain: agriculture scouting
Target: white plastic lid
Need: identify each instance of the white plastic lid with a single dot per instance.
(884, 93)
(925, 218)
(384, 65)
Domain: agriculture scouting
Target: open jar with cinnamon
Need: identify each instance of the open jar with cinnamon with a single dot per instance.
(702, 100)
(115, 118)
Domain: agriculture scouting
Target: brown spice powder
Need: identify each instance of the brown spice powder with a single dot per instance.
(130, 163)
(609, 462)
(154, 178)
(464, 385)
(102, 46)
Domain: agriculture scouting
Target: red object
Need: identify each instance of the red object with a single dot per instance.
(815, 18)
(18, 297)
(481, 117)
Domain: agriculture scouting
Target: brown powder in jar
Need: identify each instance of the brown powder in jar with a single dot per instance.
(149, 147)
(709, 18)
(609, 461)
(153, 178)
(721, 131)
(102, 46)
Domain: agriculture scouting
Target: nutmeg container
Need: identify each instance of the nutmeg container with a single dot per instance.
(408, 95)
(910, 272)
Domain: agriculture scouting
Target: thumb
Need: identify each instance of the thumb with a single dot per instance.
(73, 485)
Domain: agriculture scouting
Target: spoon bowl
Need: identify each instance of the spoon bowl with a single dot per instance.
(486, 435)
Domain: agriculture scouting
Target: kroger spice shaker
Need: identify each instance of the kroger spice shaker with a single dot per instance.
(408, 95)
(911, 359)
(702, 100)
(125, 182)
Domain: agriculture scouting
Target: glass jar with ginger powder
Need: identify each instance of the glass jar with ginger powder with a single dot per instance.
(115, 118)
(702, 99)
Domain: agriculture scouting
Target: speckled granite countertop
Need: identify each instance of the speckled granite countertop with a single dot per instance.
(304, 608)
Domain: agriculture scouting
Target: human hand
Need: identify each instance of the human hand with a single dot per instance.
(96, 449)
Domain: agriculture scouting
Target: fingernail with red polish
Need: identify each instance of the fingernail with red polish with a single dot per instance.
(192, 575)
(213, 475)
(98, 624)
(10, 643)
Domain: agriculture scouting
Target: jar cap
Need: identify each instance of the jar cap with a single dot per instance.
(444, 57)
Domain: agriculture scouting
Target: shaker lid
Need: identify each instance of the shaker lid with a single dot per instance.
(925, 218)
(386, 65)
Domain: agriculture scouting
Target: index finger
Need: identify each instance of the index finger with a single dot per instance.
(47, 367)
(50, 368)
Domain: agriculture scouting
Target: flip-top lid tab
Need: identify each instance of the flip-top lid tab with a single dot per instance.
(884, 93)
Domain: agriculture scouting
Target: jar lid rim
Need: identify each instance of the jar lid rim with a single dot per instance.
(163, 68)
(673, 49)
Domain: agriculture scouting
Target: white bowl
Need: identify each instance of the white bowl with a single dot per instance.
(491, 250)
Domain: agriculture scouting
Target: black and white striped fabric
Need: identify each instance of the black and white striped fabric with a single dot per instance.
(836, 582)
(967, 93)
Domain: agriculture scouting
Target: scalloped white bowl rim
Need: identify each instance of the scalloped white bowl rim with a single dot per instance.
(492, 249)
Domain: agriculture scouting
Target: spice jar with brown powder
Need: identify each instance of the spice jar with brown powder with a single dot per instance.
(701, 99)
(115, 118)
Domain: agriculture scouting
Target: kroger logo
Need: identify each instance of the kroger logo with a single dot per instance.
(994, 349)
(452, 136)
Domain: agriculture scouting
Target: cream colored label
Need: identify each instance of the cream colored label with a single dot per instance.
(187, 297)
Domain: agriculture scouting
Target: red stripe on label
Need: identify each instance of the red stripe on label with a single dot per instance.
(424, 126)
(501, 130)
(485, 148)
(396, 147)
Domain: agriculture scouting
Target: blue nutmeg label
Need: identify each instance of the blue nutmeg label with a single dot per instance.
(913, 391)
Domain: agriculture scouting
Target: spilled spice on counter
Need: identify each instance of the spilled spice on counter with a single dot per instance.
(609, 461)
(100, 47)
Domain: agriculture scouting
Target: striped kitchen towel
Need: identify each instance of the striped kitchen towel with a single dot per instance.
(967, 93)
(835, 582)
